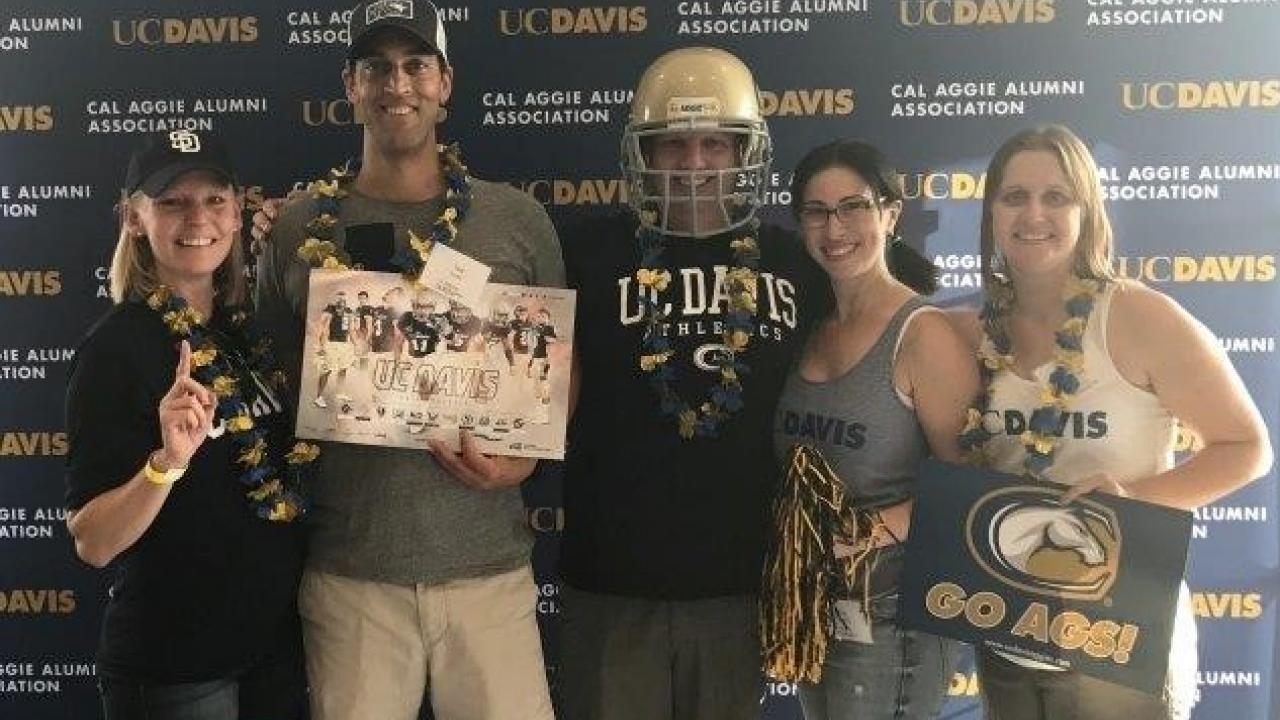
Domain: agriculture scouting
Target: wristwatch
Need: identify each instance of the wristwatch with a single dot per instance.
(161, 477)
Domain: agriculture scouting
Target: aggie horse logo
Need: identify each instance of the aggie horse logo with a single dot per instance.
(1027, 539)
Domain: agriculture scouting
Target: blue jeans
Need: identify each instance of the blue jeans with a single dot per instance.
(273, 689)
(902, 676)
(212, 700)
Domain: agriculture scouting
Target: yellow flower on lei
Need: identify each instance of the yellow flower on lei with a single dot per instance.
(420, 245)
(283, 512)
(262, 491)
(325, 188)
(972, 420)
(688, 419)
(302, 453)
(203, 356)
(1042, 444)
(656, 279)
(159, 297)
(180, 321)
(253, 454)
(314, 250)
(1073, 360)
(649, 362)
(1074, 326)
(737, 339)
(224, 386)
(1048, 396)
(323, 221)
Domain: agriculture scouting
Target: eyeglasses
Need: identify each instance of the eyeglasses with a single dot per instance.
(378, 69)
(816, 216)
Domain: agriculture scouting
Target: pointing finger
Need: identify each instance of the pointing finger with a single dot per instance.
(184, 361)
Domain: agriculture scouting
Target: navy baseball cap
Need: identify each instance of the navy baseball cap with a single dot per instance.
(164, 156)
(418, 18)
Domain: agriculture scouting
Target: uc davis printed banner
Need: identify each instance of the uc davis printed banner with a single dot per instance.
(1089, 586)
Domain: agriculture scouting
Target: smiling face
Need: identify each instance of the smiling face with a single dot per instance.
(190, 227)
(1035, 216)
(398, 90)
(850, 242)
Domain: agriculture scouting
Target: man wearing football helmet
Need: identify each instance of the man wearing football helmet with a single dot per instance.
(688, 314)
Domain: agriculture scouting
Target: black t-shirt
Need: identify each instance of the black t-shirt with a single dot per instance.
(542, 335)
(647, 513)
(496, 331)
(461, 333)
(422, 336)
(379, 329)
(209, 586)
(340, 321)
(520, 335)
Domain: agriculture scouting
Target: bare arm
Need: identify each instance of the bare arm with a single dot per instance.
(1158, 345)
(112, 522)
(936, 370)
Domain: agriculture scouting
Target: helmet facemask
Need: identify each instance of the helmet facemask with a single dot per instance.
(697, 202)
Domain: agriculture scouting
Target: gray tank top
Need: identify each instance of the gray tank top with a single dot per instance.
(857, 421)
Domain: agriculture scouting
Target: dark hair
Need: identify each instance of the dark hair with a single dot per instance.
(906, 264)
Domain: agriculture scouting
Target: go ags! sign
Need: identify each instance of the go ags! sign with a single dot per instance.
(1089, 586)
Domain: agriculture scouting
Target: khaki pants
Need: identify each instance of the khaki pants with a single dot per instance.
(372, 648)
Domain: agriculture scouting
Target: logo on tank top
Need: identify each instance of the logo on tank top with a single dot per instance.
(1077, 425)
(821, 428)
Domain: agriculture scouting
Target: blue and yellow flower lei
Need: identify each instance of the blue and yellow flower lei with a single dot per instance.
(320, 250)
(274, 493)
(725, 397)
(1043, 432)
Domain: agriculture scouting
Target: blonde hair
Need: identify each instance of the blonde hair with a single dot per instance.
(1094, 249)
(133, 265)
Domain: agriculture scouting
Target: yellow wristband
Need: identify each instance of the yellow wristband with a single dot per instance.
(161, 477)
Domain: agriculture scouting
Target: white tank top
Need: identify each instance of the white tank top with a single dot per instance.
(1113, 427)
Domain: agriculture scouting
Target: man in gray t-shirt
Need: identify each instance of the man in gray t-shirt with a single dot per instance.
(418, 566)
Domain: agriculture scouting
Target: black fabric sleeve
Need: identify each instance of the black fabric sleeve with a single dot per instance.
(111, 420)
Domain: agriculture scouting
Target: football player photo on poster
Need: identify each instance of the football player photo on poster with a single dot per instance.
(388, 362)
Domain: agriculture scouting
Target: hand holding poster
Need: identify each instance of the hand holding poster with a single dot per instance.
(389, 363)
(1090, 586)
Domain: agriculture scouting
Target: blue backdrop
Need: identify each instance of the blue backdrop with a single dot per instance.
(1179, 101)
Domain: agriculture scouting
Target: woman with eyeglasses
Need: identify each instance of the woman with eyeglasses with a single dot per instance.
(1060, 333)
(882, 382)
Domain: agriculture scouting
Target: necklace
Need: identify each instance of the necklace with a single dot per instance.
(275, 493)
(1043, 433)
(320, 250)
(725, 396)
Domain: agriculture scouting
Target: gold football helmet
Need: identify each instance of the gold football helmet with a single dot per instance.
(696, 90)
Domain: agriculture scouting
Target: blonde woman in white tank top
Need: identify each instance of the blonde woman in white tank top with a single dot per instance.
(1146, 362)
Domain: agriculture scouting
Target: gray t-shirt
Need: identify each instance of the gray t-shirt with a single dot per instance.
(394, 515)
